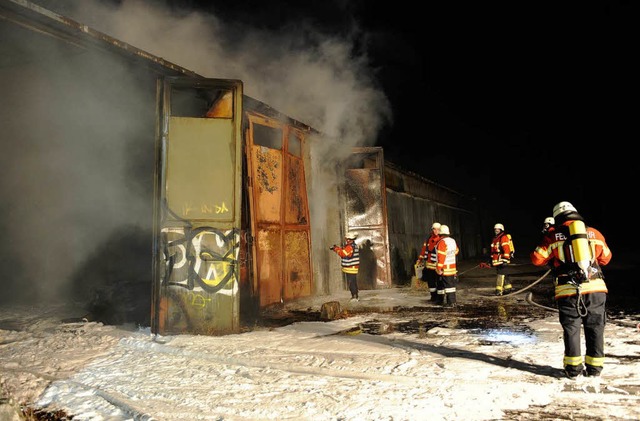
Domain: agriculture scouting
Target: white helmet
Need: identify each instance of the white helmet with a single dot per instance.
(549, 220)
(351, 236)
(444, 229)
(436, 225)
(563, 207)
(498, 227)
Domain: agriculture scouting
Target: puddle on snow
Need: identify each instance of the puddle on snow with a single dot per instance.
(514, 335)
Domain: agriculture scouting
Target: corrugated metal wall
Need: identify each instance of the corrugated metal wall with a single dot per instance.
(413, 204)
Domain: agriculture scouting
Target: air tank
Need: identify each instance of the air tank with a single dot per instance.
(580, 246)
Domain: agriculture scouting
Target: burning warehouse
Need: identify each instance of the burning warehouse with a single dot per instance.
(151, 194)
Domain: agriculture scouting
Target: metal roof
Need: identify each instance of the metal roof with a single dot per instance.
(25, 25)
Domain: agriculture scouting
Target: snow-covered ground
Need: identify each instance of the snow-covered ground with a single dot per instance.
(313, 370)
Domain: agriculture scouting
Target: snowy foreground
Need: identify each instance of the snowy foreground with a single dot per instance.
(311, 371)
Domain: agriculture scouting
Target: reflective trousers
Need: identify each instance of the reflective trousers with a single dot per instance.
(586, 312)
(447, 289)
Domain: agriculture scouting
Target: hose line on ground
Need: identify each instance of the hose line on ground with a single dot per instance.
(523, 289)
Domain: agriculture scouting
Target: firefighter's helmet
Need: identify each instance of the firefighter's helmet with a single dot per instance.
(563, 207)
(444, 229)
(498, 227)
(351, 236)
(436, 226)
(549, 220)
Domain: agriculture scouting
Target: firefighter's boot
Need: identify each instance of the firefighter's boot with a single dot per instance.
(507, 285)
(451, 300)
(500, 284)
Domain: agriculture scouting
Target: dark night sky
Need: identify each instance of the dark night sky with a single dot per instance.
(521, 105)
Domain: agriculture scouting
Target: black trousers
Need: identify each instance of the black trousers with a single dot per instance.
(431, 278)
(352, 282)
(586, 312)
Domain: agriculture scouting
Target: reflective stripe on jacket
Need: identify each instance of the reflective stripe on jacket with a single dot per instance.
(447, 250)
(568, 289)
(350, 256)
(501, 249)
(551, 251)
(429, 253)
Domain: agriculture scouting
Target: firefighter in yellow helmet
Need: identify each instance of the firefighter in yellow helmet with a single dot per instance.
(429, 257)
(575, 252)
(501, 254)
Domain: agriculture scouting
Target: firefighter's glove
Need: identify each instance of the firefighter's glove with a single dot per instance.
(484, 265)
(333, 247)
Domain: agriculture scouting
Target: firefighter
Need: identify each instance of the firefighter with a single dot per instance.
(548, 224)
(428, 257)
(501, 253)
(446, 268)
(350, 262)
(576, 253)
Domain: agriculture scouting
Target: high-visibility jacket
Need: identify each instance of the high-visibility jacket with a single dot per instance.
(501, 249)
(350, 257)
(428, 253)
(447, 250)
(552, 250)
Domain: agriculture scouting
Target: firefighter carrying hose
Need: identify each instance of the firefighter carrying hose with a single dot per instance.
(576, 252)
(501, 253)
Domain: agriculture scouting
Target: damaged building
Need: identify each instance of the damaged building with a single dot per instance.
(154, 195)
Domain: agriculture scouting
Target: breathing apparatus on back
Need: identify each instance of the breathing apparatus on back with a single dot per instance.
(580, 249)
(577, 250)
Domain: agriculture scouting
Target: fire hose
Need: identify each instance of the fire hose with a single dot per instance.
(462, 273)
(529, 297)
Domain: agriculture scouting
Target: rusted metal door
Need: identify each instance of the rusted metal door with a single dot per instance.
(197, 212)
(279, 211)
(365, 211)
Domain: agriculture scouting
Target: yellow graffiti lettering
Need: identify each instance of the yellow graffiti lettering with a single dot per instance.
(186, 209)
(222, 208)
(198, 300)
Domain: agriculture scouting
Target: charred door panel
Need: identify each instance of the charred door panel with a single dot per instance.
(366, 214)
(296, 202)
(197, 213)
(296, 260)
(280, 213)
(267, 179)
(269, 260)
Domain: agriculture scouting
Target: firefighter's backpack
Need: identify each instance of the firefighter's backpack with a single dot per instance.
(513, 250)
